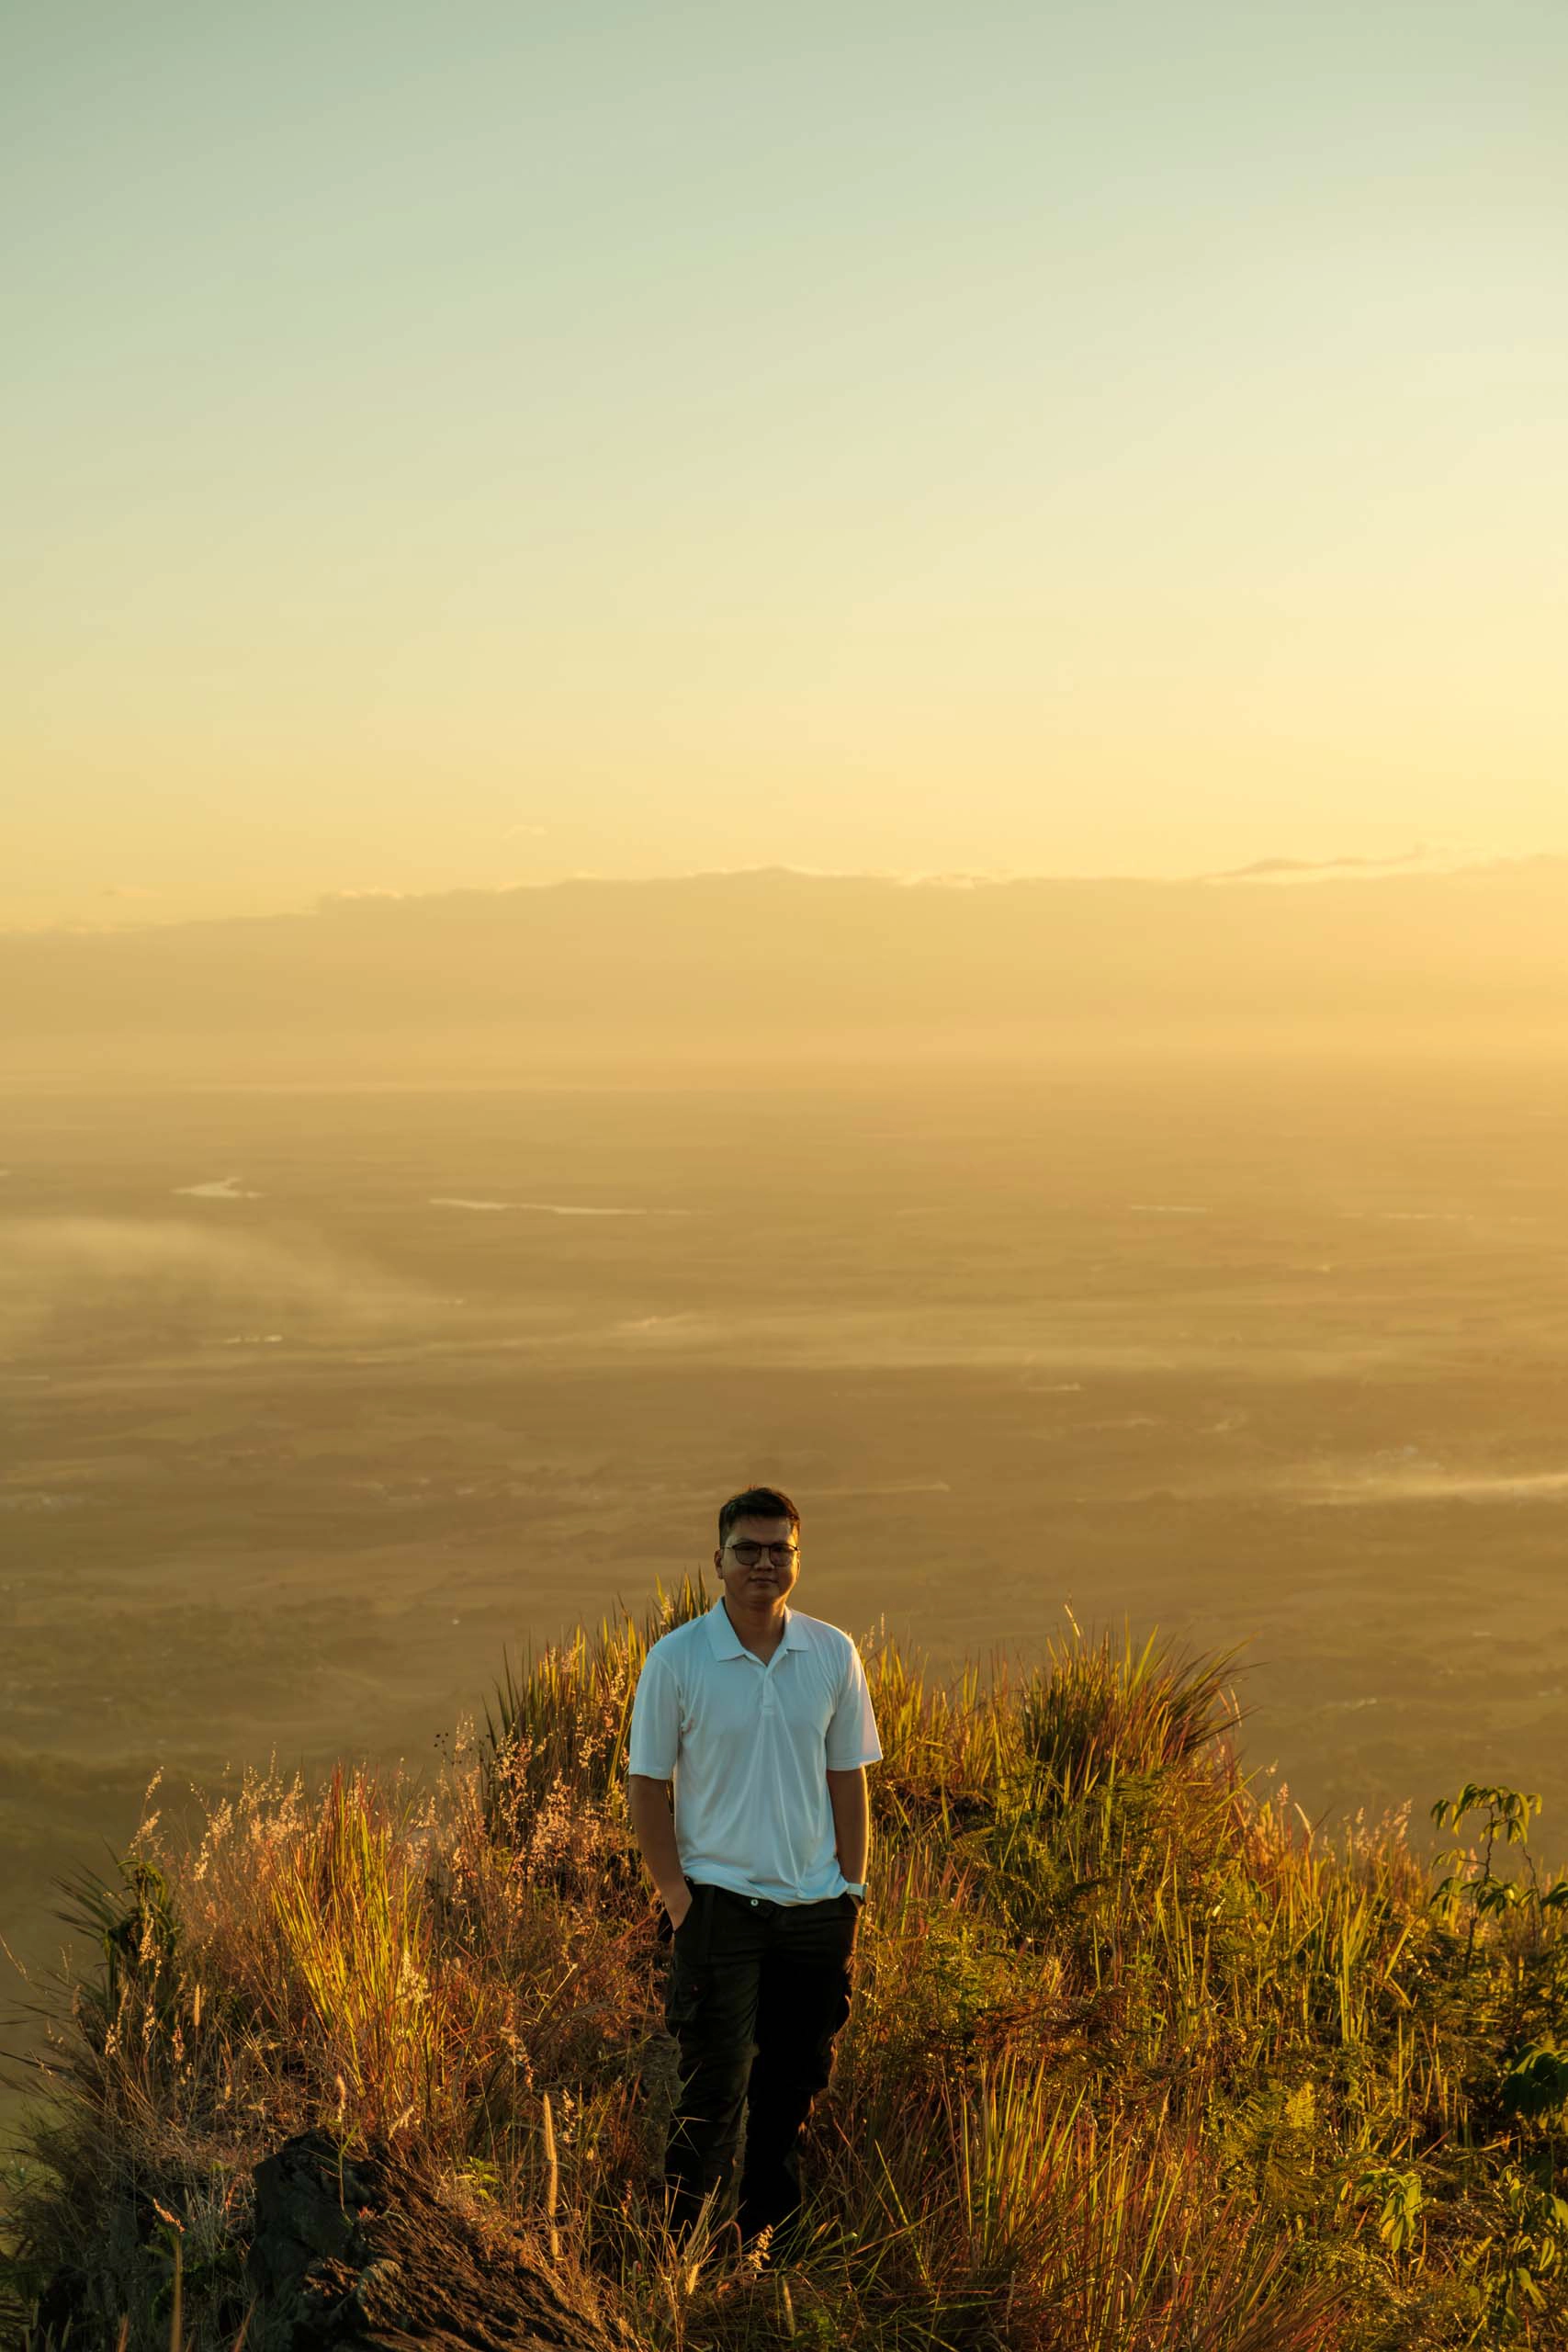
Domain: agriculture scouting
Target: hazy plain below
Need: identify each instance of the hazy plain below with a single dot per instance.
(315, 1401)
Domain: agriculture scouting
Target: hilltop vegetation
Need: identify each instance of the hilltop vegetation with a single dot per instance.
(1137, 2061)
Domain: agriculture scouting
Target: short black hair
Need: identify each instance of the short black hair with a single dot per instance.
(757, 1502)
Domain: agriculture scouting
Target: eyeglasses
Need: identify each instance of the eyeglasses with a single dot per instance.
(781, 1554)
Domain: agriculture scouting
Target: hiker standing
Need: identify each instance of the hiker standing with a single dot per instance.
(761, 1718)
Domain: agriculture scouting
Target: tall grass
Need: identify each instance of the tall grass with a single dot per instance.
(357, 1944)
(1137, 2061)
(1099, 1713)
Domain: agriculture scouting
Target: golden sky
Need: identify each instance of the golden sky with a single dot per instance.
(487, 444)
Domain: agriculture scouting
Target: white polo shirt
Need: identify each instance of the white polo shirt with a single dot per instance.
(750, 1747)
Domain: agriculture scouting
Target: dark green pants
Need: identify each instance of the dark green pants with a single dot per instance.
(756, 1993)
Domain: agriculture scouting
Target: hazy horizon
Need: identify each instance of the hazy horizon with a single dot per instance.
(598, 981)
(1275, 871)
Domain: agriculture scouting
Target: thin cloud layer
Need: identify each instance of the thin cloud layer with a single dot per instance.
(1423, 859)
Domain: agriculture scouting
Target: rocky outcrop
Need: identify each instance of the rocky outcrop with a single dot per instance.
(355, 2252)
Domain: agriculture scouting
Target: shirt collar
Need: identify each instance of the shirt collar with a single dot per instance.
(725, 1642)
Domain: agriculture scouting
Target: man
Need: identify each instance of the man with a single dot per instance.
(761, 1718)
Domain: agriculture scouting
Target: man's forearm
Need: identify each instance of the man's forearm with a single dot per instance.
(653, 1827)
(852, 1822)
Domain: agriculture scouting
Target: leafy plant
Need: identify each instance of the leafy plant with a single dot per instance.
(1528, 2243)
(1398, 2198)
(1537, 2082)
(1507, 1811)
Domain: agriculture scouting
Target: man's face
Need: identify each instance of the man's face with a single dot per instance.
(749, 1576)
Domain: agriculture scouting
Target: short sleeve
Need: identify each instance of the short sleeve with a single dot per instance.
(656, 1720)
(851, 1732)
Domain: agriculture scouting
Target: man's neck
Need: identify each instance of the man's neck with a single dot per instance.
(761, 1635)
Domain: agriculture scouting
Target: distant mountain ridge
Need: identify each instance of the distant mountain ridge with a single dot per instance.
(774, 960)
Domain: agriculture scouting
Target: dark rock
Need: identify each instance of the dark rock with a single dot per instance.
(353, 2251)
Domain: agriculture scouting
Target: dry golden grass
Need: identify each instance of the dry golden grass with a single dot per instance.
(1137, 2063)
